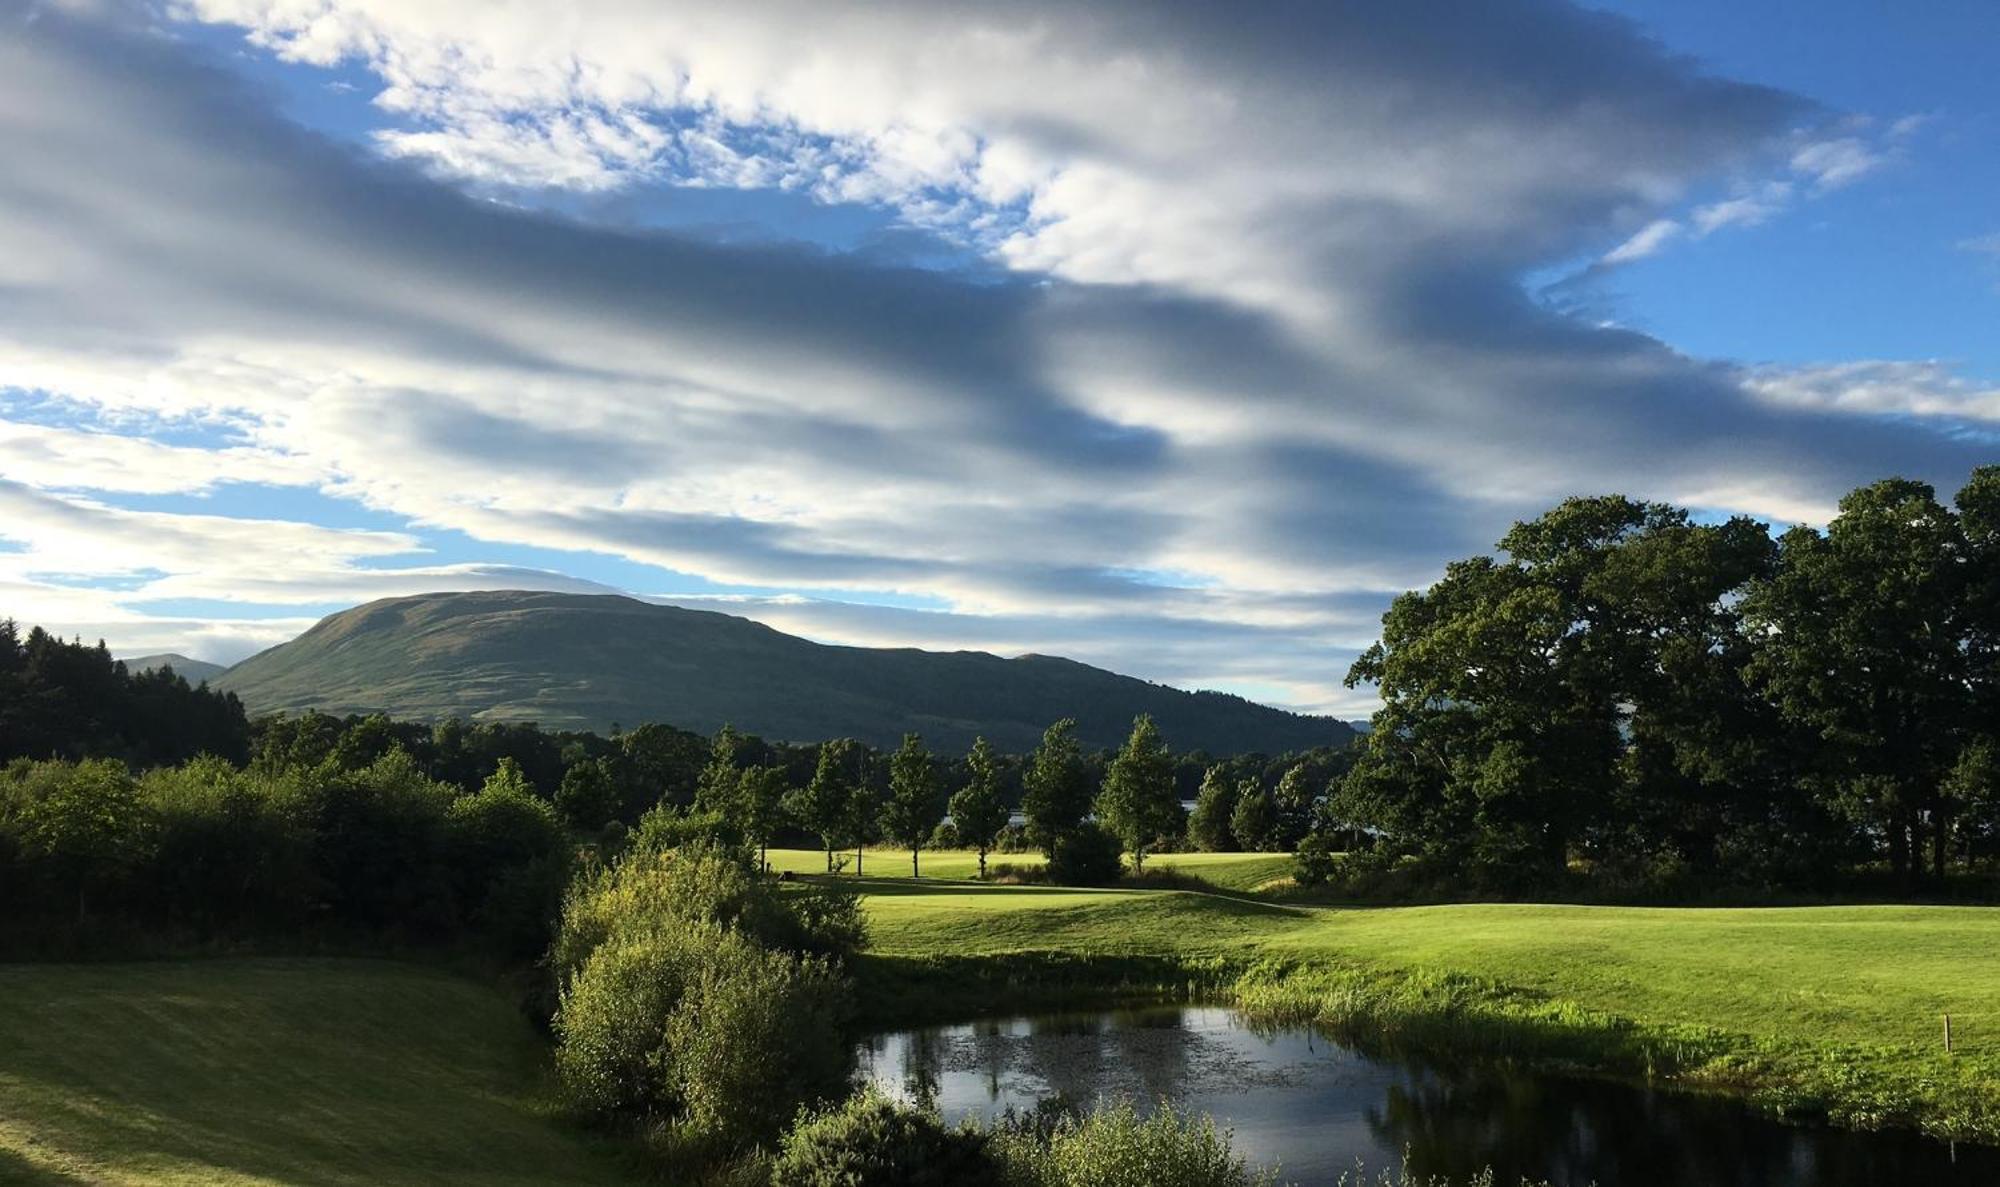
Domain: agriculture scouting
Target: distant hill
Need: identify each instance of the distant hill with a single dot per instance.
(194, 671)
(581, 661)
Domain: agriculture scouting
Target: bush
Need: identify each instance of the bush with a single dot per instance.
(870, 1141)
(758, 1034)
(511, 854)
(1116, 1147)
(1090, 856)
(379, 843)
(1014, 839)
(689, 997)
(1316, 861)
(648, 890)
(944, 836)
(228, 858)
(79, 833)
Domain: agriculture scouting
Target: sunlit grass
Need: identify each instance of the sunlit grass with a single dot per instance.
(327, 1072)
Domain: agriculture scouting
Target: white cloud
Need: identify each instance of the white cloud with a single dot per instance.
(1648, 240)
(1831, 164)
(1926, 390)
(1263, 357)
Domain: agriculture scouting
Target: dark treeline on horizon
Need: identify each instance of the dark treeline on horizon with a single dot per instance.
(1654, 699)
(63, 699)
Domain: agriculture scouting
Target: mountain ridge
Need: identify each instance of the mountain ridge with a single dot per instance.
(589, 661)
(194, 671)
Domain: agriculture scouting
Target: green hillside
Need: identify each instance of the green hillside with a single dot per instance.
(324, 1072)
(587, 661)
(194, 671)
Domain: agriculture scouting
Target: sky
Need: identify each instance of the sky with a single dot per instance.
(1173, 337)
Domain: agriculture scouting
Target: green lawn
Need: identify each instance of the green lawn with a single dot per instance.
(1833, 1006)
(335, 1072)
(317, 1072)
(1225, 871)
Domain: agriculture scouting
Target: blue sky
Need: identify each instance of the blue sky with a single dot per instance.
(1871, 270)
(1173, 338)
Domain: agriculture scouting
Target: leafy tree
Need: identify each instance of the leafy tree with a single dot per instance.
(1292, 807)
(1254, 823)
(861, 818)
(720, 783)
(821, 806)
(1861, 643)
(84, 825)
(763, 808)
(587, 798)
(1056, 787)
(1973, 789)
(1209, 824)
(977, 811)
(1138, 803)
(512, 861)
(916, 801)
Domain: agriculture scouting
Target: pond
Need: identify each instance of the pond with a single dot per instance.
(1314, 1107)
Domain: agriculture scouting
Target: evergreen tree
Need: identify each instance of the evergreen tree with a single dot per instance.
(1137, 802)
(977, 809)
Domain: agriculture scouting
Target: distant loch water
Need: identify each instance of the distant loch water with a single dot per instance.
(1315, 1107)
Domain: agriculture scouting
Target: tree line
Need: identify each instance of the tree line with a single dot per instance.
(1638, 695)
(62, 699)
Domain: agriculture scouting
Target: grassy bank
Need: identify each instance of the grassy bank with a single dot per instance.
(1810, 1010)
(328, 1072)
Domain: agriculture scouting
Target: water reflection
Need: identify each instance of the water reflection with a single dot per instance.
(1315, 1106)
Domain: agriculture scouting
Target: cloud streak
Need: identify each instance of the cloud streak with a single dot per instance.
(1247, 349)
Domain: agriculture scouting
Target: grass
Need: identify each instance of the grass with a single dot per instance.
(1242, 872)
(1808, 1010)
(320, 1072)
(337, 1072)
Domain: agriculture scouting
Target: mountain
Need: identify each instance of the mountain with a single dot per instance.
(194, 671)
(578, 661)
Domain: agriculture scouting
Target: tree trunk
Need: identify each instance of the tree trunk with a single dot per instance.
(764, 856)
(982, 865)
(913, 866)
(829, 861)
(857, 859)
(1938, 836)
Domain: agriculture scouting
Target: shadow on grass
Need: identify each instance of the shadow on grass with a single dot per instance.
(1000, 895)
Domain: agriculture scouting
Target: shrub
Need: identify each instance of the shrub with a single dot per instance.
(228, 858)
(611, 1030)
(379, 842)
(1116, 1147)
(648, 890)
(511, 853)
(1014, 839)
(1090, 856)
(1316, 861)
(689, 997)
(758, 1034)
(944, 836)
(80, 831)
(870, 1141)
